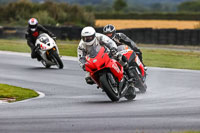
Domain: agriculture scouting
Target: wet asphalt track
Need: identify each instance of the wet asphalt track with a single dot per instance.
(172, 102)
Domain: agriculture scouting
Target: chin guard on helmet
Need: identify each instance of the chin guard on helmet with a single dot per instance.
(88, 38)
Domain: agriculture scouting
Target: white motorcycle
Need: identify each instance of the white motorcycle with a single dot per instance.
(46, 47)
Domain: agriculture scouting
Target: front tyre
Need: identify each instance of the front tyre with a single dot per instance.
(111, 91)
(57, 59)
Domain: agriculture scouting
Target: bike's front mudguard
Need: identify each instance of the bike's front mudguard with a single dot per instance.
(46, 55)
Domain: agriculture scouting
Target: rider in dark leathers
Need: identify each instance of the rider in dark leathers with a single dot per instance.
(121, 39)
(33, 31)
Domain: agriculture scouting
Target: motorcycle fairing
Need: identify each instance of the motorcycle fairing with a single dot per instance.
(103, 61)
(133, 58)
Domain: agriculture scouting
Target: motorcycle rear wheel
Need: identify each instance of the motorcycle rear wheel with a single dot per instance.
(45, 64)
(139, 83)
(110, 90)
(130, 94)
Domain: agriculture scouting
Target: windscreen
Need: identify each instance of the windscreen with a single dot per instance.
(43, 38)
(93, 51)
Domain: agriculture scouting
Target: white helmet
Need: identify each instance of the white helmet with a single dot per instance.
(88, 35)
(32, 23)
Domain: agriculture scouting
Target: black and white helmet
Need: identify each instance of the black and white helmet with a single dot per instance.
(109, 30)
(32, 23)
(88, 35)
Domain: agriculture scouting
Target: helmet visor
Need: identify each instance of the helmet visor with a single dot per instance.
(88, 38)
(109, 34)
(32, 26)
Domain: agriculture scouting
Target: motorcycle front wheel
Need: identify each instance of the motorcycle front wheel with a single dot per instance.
(106, 83)
(57, 59)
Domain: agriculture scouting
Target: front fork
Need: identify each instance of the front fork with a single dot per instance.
(112, 80)
(51, 50)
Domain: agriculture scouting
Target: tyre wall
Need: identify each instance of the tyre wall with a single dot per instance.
(139, 35)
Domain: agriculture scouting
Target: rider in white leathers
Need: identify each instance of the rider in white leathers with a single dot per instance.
(89, 40)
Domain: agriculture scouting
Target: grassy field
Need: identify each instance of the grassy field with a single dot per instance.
(172, 59)
(156, 24)
(188, 132)
(65, 47)
(152, 57)
(13, 93)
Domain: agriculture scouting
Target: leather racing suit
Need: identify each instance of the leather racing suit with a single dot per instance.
(122, 39)
(31, 37)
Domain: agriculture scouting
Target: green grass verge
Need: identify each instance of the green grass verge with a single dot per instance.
(151, 57)
(65, 47)
(172, 59)
(188, 132)
(15, 93)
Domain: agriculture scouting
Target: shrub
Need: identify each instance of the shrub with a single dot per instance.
(44, 18)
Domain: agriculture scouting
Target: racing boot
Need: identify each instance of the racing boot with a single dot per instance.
(89, 80)
(39, 58)
(129, 73)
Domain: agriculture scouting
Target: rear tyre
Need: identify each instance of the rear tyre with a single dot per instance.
(139, 82)
(130, 94)
(57, 60)
(45, 64)
(111, 91)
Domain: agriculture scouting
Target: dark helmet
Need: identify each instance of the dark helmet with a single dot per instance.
(32, 24)
(109, 30)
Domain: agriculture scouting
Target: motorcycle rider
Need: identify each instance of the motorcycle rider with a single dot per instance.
(33, 31)
(90, 39)
(122, 39)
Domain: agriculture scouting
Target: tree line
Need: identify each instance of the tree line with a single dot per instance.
(48, 13)
(52, 13)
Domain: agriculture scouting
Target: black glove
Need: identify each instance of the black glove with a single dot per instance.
(36, 48)
(113, 51)
(136, 50)
(54, 38)
(83, 67)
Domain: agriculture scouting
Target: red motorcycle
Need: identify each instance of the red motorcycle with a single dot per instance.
(109, 75)
(136, 67)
